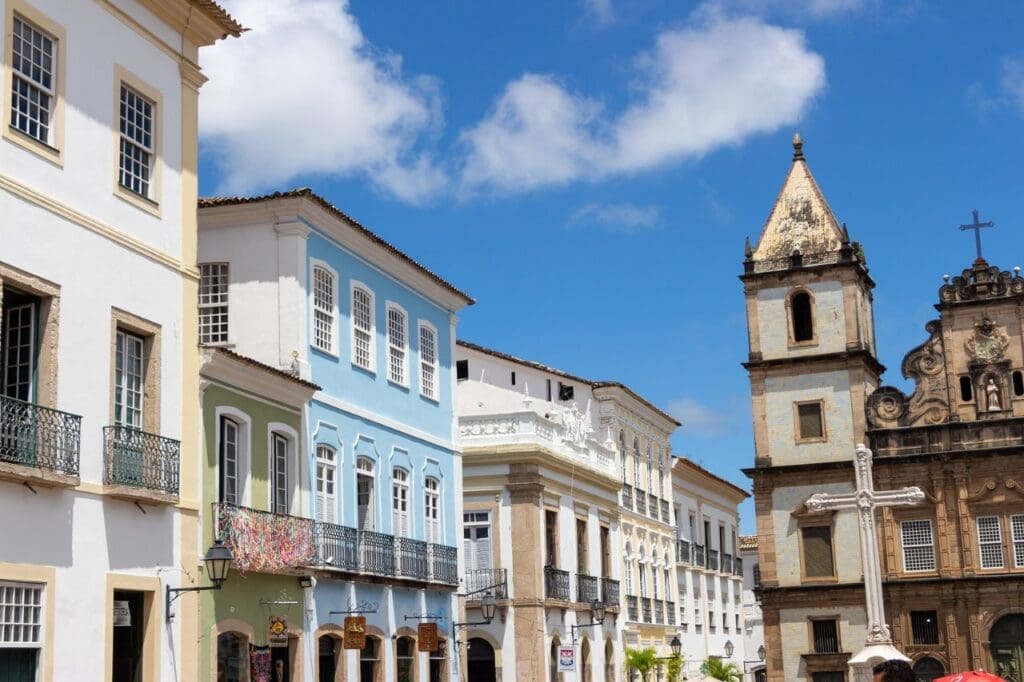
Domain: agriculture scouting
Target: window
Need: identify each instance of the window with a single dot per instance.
(826, 636)
(809, 422)
(432, 508)
(757, 575)
(18, 347)
(364, 493)
(990, 542)
(627, 578)
(128, 380)
(802, 317)
(925, 627)
(326, 470)
(551, 537)
(33, 80)
(369, 660)
(323, 309)
(476, 539)
(279, 474)
(21, 629)
(396, 345)
(437, 668)
(137, 125)
(642, 576)
(403, 659)
(817, 548)
(606, 552)
(831, 676)
(918, 548)
(966, 392)
(400, 502)
(461, 370)
(581, 547)
(213, 303)
(623, 453)
(327, 657)
(565, 391)
(228, 461)
(428, 362)
(636, 463)
(362, 328)
(1017, 528)
(927, 669)
(513, 378)
(548, 392)
(1018, 383)
(232, 657)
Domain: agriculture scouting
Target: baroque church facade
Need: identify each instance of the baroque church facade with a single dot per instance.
(952, 566)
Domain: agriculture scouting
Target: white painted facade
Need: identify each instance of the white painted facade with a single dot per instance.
(753, 621)
(93, 259)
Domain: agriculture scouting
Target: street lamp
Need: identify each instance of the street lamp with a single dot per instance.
(729, 648)
(676, 646)
(760, 652)
(218, 562)
(597, 614)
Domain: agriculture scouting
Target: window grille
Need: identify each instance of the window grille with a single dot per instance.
(826, 636)
(925, 627)
(1017, 526)
(21, 615)
(990, 542)
(213, 303)
(33, 81)
(137, 141)
(323, 309)
(918, 546)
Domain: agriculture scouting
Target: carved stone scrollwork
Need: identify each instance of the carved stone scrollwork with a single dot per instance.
(888, 407)
(981, 281)
(989, 342)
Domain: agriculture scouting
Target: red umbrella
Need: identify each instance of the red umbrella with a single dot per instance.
(970, 676)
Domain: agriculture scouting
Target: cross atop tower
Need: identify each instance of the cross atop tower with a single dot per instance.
(976, 226)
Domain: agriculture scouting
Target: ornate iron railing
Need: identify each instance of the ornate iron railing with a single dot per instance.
(712, 559)
(683, 551)
(411, 558)
(670, 611)
(39, 437)
(698, 555)
(727, 563)
(641, 503)
(444, 564)
(666, 515)
(556, 583)
(610, 591)
(627, 496)
(586, 588)
(737, 566)
(659, 611)
(264, 541)
(492, 579)
(142, 460)
(376, 553)
(337, 546)
(632, 612)
(645, 607)
(652, 506)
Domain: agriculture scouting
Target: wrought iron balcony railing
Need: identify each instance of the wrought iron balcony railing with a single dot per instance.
(633, 613)
(337, 546)
(376, 553)
(610, 591)
(627, 496)
(666, 515)
(659, 611)
(652, 506)
(39, 437)
(586, 588)
(493, 579)
(444, 564)
(263, 541)
(641, 503)
(556, 583)
(712, 559)
(737, 565)
(698, 555)
(411, 558)
(645, 607)
(138, 459)
(683, 552)
(670, 611)
(727, 563)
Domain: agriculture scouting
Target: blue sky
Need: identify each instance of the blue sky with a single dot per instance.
(589, 169)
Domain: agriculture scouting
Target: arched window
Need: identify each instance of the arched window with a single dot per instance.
(232, 657)
(623, 453)
(328, 648)
(362, 328)
(642, 574)
(369, 660)
(627, 577)
(428, 361)
(326, 474)
(801, 316)
(636, 463)
(404, 659)
(609, 660)
(432, 508)
(438, 660)
(323, 309)
(400, 502)
(650, 479)
(364, 493)
(927, 669)
(398, 339)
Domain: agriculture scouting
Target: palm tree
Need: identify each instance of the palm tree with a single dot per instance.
(717, 669)
(641, 660)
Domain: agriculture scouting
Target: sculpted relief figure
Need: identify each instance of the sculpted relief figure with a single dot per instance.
(992, 396)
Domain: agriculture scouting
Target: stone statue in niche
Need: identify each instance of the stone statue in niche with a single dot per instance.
(992, 396)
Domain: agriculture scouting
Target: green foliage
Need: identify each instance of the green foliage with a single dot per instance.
(675, 667)
(641, 660)
(717, 669)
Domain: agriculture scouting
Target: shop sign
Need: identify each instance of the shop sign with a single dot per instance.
(355, 632)
(278, 632)
(566, 659)
(427, 637)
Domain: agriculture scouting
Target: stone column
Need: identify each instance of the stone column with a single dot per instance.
(525, 496)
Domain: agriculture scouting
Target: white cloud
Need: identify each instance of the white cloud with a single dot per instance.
(700, 88)
(601, 10)
(305, 93)
(697, 417)
(1012, 81)
(795, 9)
(622, 218)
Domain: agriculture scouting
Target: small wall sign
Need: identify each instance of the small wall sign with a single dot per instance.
(427, 637)
(566, 659)
(355, 632)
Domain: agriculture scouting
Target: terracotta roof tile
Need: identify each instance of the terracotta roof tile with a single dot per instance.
(266, 368)
(748, 542)
(221, 16)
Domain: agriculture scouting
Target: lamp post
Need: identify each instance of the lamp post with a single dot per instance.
(676, 646)
(218, 562)
(597, 614)
(488, 606)
(729, 648)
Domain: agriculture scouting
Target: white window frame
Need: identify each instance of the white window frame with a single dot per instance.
(429, 371)
(128, 382)
(366, 468)
(214, 289)
(325, 313)
(23, 618)
(358, 332)
(280, 465)
(474, 519)
(997, 542)
(33, 85)
(136, 183)
(326, 475)
(400, 502)
(918, 556)
(243, 424)
(432, 509)
(398, 349)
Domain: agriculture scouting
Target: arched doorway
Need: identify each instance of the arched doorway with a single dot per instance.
(1007, 646)
(328, 649)
(927, 669)
(761, 675)
(609, 660)
(232, 657)
(480, 660)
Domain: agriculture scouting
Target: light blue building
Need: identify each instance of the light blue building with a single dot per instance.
(291, 281)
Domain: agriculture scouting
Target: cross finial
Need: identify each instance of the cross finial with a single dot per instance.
(798, 147)
(976, 226)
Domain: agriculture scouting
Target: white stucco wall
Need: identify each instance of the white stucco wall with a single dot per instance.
(780, 417)
(829, 320)
(794, 631)
(845, 543)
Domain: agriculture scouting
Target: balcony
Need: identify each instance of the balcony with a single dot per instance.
(610, 592)
(383, 556)
(411, 558)
(683, 555)
(444, 565)
(670, 610)
(586, 588)
(376, 553)
(645, 607)
(659, 611)
(480, 580)
(737, 566)
(37, 444)
(727, 563)
(641, 503)
(666, 515)
(337, 547)
(139, 465)
(698, 555)
(262, 541)
(556, 583)
(652, 506)
(633, 613)
(712, 560)
(627, 497)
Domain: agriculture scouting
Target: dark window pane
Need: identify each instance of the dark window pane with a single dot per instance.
(803, 327)
(826, 636)
(818, 552)
(925, 625)
(966, 394)
(461, 369)
(810, 420)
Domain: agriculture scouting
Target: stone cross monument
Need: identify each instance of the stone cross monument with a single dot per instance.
(864, 499)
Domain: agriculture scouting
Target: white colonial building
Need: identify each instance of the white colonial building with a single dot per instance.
(98, 354)
(709, 567)
(753, 621)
